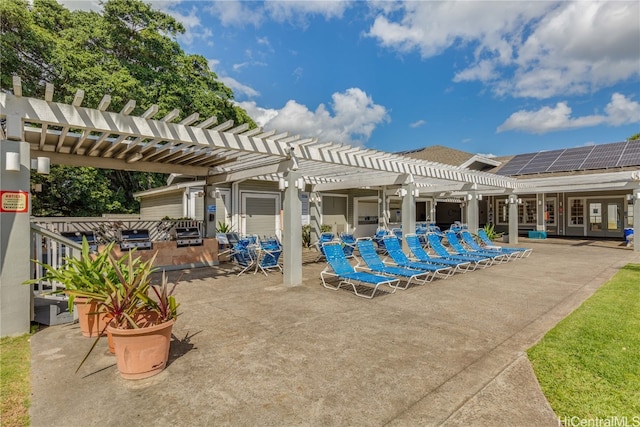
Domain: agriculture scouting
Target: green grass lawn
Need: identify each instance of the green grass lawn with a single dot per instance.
(15, 386)
(589, 365)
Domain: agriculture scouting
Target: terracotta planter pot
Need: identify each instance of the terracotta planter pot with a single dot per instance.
(90, 324)
(147, 319)
(142, 352)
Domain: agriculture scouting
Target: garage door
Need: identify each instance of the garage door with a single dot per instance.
(261, 214)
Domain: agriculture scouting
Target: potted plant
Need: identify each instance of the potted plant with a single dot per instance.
(142, 316)
(89, 273)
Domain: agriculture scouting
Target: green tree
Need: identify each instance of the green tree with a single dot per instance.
(128, 51)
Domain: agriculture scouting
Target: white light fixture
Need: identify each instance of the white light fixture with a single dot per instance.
(629, 197)
(479, 196)
(401, 192)
(416, 193)
(282, 184)
(300, 183)
(12, 161)
(469, 196)
(44, 165)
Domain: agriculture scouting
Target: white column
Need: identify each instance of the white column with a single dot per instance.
(408, 212)
(513, 219)
(15, 298)
(472, 211)
(292, 233)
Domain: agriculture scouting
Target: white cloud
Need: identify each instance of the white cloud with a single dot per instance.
(355, 116)
(417, 124)
(620, 111)
(525, 49)
(239, 88)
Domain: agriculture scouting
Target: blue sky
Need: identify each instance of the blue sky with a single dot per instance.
(495, 78)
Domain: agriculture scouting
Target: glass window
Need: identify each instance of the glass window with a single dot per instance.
(576, 213)
(527, 212)
(595, 216)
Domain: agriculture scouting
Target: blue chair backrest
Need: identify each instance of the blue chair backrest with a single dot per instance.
(395, 250)
(397, 232)
(436, 245)
(326, 237)
(454, 242)
(349, 241)
(413, 242)
(336, 258)
(484, 236)
(369, 255)
(470, 240)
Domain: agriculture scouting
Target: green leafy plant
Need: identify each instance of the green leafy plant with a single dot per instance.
(326, 228)
(90, 273)
(223, 227)
(306, 236)
(491, 233)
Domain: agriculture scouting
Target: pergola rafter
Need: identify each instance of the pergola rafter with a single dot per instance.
(96, 136)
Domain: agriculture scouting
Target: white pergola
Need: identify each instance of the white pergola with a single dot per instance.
(83, 136)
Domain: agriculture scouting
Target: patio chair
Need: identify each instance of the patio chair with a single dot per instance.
(324, 238)
(348, 244)
(436, 245)
(243, 255)
(394, 250)
(377, 239)
(373, 263)
(338, 266)
(418, 252)
(489, 244)
(269, 256)
(472, 244)
(455, 244)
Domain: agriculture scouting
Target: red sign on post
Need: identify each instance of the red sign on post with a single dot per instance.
(14, 201)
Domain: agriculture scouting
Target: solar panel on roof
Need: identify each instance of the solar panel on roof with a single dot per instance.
(514, 165)
(631, 154)
(604, 156)
(570, 160)
(541, 162)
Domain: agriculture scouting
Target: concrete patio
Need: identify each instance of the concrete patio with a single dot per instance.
(250, 352)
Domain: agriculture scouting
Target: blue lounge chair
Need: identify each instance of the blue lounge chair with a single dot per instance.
(324, 238)
(269, 255)
(436, 245)
(395, 252)
(473, 245)
(338, 266)
(377, 239)
(455, 244)
(348, 244)
(418, 252)
(374, 264)
(489, 244)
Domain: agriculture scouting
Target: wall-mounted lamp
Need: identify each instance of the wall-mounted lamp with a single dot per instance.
(629, 197)
(519, 201)
(469, 196)
(282, 184)
(12, 161)
(300, 183)
(416, 193)
(401, 192)
(479, 196)
(42, 165)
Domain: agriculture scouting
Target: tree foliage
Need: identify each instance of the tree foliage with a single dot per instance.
(128, 51)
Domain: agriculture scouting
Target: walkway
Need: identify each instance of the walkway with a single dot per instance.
(250, 352)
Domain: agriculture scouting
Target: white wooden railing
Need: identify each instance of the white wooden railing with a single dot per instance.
(49, 248)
